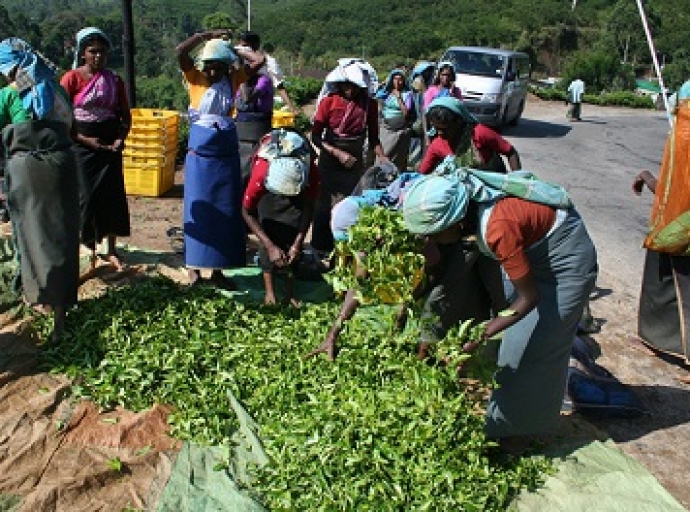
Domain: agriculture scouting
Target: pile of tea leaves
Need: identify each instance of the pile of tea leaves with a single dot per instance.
(374, 430)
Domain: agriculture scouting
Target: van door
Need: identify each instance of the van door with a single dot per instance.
(517, 80)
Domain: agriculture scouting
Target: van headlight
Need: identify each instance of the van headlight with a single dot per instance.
(492, 97)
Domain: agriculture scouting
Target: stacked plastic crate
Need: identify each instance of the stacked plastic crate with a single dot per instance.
(150, 151)
(282, 118)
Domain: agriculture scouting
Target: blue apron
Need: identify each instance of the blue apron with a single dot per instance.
(214, 231)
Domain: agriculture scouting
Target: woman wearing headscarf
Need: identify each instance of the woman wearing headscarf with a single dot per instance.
(443, 84)
(551, 265)
(278, 204)
(396, 110)
(420, 78)
(663, 320)
(345, 119)
(41, 179)
(214, 232)
(103, 120)
(455, 131)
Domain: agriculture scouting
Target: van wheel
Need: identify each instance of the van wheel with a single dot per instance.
(516, 119)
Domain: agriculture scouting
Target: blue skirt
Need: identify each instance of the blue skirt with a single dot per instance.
(214, 232)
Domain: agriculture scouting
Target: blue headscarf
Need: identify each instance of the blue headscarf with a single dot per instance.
(384, 91)
(454, 105)
(420, 68)
(34, 79)
(84, 34)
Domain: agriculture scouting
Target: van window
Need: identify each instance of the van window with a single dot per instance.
(476, 63)
(522, 67)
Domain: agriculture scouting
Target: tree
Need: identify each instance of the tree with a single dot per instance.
(624, 27)
(219, 20)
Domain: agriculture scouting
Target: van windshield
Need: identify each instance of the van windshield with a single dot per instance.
(476, 63)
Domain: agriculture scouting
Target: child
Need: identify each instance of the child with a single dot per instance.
(278, 204)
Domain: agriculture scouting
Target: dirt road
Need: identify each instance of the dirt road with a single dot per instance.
(596, 160)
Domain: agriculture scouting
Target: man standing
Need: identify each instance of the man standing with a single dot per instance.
(576, 90)
(271, 69)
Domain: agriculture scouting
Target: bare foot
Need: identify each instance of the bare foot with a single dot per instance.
(41, 309)
(114, 259)
(269, 300)
(194, 277)
(293, 302)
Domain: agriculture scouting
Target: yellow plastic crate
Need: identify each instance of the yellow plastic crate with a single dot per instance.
(149, 179)
(153, 119)
(151, 157)
(136, 146)
(282, 118)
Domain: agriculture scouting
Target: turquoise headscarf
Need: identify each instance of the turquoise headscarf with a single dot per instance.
(454, 105)
(34, 78)
(684, 91)
(218, 49)
(434, 203)
(384, 91)
(82, 35)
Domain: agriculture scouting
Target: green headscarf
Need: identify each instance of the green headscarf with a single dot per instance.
(434, 203)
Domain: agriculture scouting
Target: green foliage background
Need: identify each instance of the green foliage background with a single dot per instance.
(310, 35)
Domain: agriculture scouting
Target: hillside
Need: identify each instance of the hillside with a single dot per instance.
(314, 33)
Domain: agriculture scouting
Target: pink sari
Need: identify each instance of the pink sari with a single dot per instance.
(98, 100)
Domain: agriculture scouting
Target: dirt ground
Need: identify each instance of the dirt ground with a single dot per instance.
(660, 441)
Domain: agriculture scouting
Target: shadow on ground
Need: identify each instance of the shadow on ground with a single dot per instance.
(533, 129)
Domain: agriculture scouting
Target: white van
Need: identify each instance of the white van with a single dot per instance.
(493, 82)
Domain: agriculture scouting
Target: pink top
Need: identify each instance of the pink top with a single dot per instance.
(436, 91)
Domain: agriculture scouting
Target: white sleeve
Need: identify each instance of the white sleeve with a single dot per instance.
(274, 71)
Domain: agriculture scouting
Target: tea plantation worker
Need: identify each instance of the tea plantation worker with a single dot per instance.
(42, 184)
(279, 202)
(662, 323)
(11, 111)
(214, 229)
(397, 109)
(103, 121)
(271, 69)
(576, 89)
(459, 284)
(443, 85)
(551, 265)
(421, 77)
(345, 118)
(456, 132)
(254, 97)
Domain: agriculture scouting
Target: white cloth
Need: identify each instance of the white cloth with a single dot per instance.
(575, 91)
(273, 71)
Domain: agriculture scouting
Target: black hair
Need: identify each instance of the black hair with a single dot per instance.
(93, 38)
(251, 38)
(443, 115)
(88, 41)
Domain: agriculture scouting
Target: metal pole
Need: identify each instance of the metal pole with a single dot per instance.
(655, 60)
(128, 51)
(249, 14)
